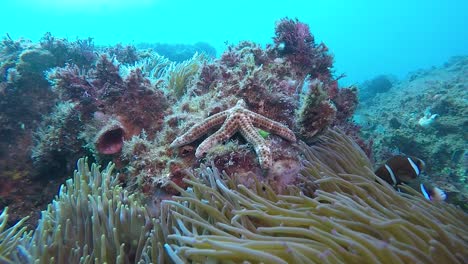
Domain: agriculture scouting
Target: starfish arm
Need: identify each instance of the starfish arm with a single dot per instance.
(250, 133)
(227, 130)
(271, 126)
(199, 130)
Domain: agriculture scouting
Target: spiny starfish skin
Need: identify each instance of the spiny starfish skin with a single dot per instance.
(233, 120)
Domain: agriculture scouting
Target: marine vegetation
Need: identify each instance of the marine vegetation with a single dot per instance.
(181, 73)
(340, 213)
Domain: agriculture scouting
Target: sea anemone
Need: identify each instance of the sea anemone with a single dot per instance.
(10, 237)
(92, 220)
(342, 213)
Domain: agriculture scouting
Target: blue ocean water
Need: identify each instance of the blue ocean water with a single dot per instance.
(367, 37)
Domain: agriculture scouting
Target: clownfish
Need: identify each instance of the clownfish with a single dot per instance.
(432, 193)
(402, 169)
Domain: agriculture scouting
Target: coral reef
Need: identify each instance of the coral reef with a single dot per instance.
(258, 197)
(104, 96)
(127, 105)
(53, 145)
(294, 41)
(58, 96)
(271, 82)
(24, 98)
(180, 52)
(127, 55)
(425, 115)
(80, 52)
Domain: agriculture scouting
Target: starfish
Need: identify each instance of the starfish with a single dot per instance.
(236, 119)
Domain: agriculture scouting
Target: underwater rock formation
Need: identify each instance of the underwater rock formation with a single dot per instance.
(24, 99)
(424, 115)
(379, 84)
